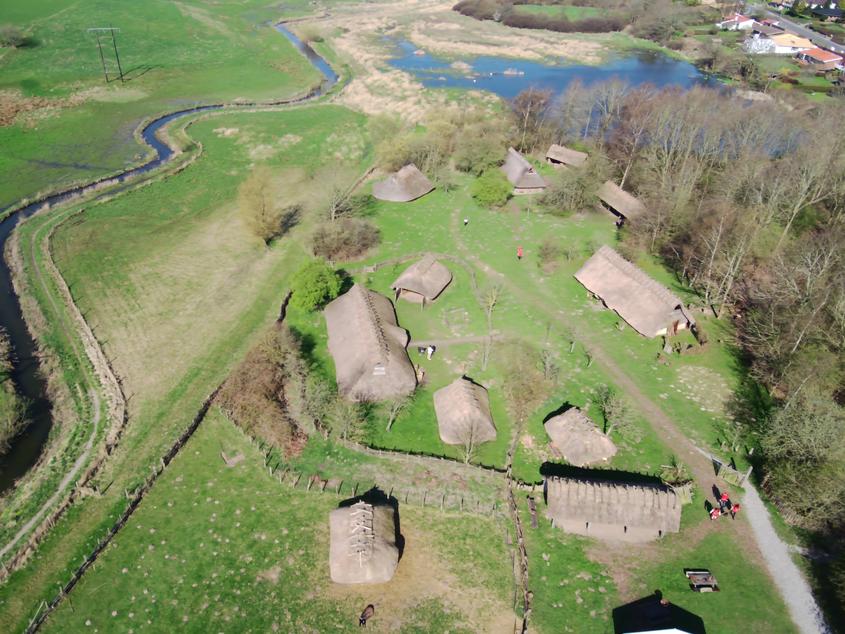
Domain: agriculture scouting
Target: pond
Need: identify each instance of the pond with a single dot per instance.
(508, 77)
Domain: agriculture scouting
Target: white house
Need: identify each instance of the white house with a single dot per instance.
(736, 22)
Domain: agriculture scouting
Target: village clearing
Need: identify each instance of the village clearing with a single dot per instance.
(220, 267)
(177, 291)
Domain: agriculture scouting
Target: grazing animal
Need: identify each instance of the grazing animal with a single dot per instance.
(366, 615)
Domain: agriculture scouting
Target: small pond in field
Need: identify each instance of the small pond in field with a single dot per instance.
(508, 77)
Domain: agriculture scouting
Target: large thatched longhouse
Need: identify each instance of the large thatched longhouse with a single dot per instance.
(648, 306)
(612, 510)
(368, 347)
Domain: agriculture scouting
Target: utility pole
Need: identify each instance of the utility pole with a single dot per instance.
(111, 30)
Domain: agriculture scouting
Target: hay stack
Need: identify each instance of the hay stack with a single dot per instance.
(408, 184)
(463, 413)
(423, 281)
(363, 543)
(578, 440)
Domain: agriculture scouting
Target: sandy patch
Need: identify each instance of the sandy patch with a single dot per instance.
(105, 94)
(422, 576)
(271, 574)
(226, 132)
(203, 17)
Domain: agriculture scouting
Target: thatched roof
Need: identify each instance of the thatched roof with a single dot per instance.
(405, 185)
(611, 510)
(363, 543)
(649, 307)
(368, 347)
(567, 156)
(521, 173)
(463, 412)
(424, 279)
(620, 201)
(578, 439)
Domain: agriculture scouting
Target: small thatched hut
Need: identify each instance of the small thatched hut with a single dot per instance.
(620, 202)
(406, 185)
(521, 174)
(363, 543)
(423, 281)
(368, 347)
(649, 307)
(610, 510)
(463, 413)
(560, 155)
(577, 438)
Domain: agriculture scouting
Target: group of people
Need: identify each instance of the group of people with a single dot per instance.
(725, 506)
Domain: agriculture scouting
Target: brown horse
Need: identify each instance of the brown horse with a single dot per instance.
(366, 615)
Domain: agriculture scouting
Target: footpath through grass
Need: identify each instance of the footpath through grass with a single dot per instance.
(73, 126)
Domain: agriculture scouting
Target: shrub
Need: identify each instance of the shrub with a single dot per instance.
(571, 190)
(478, 149)
(11, 36)
(491, 189)
(346, 239)
(313, 285)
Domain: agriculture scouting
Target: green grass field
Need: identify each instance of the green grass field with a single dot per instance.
(174, 337)
(246, 553)
(175, 55)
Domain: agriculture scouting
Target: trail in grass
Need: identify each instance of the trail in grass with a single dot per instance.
(69, 476)
(772, 552)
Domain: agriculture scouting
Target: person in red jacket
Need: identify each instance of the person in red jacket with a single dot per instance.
(715, 513)
(734, 511)
(725, 502)
(519, 253)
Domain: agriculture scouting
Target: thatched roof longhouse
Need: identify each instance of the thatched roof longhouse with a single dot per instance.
(368, 347)
(610, 510)
(463, 412)
(522, 174)
(577, 438)
(408, 184)
(422, 281)
(562, 155)
(619, 201)
(363, 543)
(649, 307)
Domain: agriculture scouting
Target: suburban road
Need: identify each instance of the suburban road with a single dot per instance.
(816, 38)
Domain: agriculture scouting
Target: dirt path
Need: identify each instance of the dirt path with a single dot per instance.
(762, 543)
(69, 476)
(454, 341)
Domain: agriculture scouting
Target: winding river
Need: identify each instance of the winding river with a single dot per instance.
(26, 448)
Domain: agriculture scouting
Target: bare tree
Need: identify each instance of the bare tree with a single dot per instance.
(489, 300)
(396, 406)
(530, 108)
(614, 409)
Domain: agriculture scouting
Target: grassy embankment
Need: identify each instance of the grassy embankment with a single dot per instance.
(73, 127)
(558, 10)
(176, 292)
(12, 406)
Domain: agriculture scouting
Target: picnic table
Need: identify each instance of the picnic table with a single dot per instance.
(701, 580)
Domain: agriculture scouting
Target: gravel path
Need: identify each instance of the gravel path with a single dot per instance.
(788, 578)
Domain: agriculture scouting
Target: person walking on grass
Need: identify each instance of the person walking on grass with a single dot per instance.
(466, 221)
(734, 511)
(519, 253)
(715, 514)
(725, 502)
